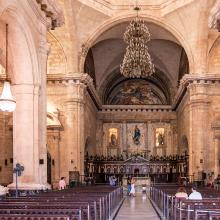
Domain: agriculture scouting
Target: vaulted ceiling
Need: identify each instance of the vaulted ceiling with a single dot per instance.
(167, 54)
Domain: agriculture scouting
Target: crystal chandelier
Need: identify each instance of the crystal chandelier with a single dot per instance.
(137, 61)
(7, 102)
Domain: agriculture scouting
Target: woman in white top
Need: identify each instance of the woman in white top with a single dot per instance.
(195, 195)
(132, 192)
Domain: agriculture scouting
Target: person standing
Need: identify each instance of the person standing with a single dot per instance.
(129, 184)
(62, 183)
(132, 192)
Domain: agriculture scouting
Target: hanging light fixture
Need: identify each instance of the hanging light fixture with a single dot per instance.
(7, 102)
(137, 61)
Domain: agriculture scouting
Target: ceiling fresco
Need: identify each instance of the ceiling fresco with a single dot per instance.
(136, 92)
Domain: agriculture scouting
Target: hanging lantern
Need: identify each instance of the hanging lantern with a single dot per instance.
(7, 102)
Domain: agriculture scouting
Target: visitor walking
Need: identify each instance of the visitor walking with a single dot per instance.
(132, 192)
(62, 183)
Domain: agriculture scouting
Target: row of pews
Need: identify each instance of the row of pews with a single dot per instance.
(81, 203)
(171, 208)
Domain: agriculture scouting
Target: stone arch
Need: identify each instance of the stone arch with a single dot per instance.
(127, 17)
(27, 57)
(214, 57)
(25, 51)
(89, 148)
(56, 53)
(184, 145)
(159, 79)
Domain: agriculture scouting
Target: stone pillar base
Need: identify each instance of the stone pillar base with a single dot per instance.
(29, 186)
(55, 184)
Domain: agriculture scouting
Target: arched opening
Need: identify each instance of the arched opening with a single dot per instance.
(106, 55)
(184, 146)
(89, 148)
(26, 71)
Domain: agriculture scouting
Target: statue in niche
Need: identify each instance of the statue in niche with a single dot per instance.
(137, 135)
(161, 138)
(113, 137)
(113, 140)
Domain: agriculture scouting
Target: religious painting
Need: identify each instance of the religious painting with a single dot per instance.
(160, 135)
(136, 135)
(136, 92)
(113, 137)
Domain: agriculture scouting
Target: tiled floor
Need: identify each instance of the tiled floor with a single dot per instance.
(137, 208)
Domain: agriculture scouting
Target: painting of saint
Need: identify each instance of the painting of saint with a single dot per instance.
(113, 140)
(137, 135)
(113, 137)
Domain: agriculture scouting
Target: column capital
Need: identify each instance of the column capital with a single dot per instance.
(195, 81)
(70, 78)
(76, 78)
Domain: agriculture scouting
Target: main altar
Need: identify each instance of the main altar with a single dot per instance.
(145, 170)
(139, 181)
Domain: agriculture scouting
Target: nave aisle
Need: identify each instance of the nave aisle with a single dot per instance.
(137, 208)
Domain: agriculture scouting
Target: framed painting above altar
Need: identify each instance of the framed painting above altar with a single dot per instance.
(136, 137)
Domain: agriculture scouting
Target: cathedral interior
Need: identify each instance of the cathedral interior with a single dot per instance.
(76, 113)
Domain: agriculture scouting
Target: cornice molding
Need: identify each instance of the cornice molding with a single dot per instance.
(83, 78)
(48, 11)
(76, 78)
(135, 108)
(194, 79)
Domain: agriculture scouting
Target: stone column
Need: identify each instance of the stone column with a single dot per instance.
(199, 40)
(99, 137)
(198, 128)
(217, 157)
(54, 148)
(73, 135)
(26, 138)
(124, 136)
(105, 139)
(216, 133)
(174, 137)
(42, 103)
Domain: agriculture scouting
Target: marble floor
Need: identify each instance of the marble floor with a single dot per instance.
(137, 208)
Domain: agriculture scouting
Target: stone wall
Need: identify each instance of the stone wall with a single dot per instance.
(124, 119)
(183, 125)
(197, 120)
(90, 125)
(6, 155)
